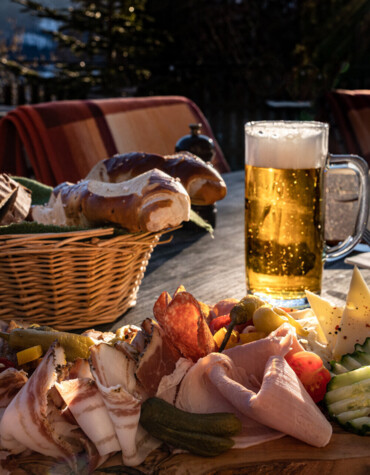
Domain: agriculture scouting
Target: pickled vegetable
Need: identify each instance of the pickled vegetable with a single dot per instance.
(267, 319)
(75, 346)
(29, 354)
(241, 313)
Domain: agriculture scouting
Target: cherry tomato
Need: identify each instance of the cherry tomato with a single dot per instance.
(4, 364)
(310, 370)
(219, 322)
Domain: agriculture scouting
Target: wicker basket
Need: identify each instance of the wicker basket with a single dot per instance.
(72, 280)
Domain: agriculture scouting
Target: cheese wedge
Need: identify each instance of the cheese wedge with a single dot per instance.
(329, 317)
(307, 318)
(355, 324)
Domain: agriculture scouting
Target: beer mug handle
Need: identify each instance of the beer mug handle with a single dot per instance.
(360, 167)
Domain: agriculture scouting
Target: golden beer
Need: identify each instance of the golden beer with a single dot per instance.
(284, 208)
(284, 231)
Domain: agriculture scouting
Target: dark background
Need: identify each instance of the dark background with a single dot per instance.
(238, 60)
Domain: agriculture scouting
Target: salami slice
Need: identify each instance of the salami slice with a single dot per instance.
(160, 307)
(184, 323)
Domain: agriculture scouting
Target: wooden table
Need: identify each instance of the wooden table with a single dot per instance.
(212, 269)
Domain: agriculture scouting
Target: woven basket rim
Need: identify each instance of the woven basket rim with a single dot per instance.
(84, 234)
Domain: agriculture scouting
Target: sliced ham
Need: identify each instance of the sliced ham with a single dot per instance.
(255, 382)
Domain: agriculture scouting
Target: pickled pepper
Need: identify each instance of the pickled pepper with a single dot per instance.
(241, 313)
(74, 345)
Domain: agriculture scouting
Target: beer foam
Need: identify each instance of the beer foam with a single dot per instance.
(295, 145)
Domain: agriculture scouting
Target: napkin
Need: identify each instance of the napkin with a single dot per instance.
(360, 260)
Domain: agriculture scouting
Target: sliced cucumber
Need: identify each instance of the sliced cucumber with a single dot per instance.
(351, 361)
(348, 400)
(364, 347)
(360, 426)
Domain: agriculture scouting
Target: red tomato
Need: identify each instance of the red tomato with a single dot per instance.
(310, 370)
(240, 328)
(219, 322)
(4, 364)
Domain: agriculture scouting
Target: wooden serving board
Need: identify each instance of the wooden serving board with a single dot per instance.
(345, 454)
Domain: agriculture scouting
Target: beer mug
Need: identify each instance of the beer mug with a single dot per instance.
(285, 163)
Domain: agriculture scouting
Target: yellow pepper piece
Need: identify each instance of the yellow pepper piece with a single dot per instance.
(219, 336)
(249, 337)
(233, 340)
(300, 330)
(268, 319)
(29, 354)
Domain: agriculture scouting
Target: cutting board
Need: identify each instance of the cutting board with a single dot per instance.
(346, 454)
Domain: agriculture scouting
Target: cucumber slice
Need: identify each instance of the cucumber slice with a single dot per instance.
(348, 400)
(337, 368)
(360, 426)
(364, 347)
(349, 362)
(360, 357)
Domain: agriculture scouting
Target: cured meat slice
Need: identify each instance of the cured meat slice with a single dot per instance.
(11, 381)
(223, 307)
(158, 360)
(114, 376)
(160, 307)
(255, 382)
(184, 323)
(87, 406)
(31, 421)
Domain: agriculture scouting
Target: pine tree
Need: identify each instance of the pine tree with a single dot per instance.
(103, 46)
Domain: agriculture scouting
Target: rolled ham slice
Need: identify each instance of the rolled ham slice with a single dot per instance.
(255, 382)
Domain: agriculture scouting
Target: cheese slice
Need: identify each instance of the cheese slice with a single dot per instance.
(307, 318)
(355, 324)
(328, 316)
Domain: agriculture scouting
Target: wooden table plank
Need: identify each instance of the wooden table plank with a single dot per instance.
(344, 453)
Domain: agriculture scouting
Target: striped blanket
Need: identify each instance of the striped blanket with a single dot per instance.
(62, 140)
(351, 114)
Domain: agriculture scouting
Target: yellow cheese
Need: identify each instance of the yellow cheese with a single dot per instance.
(329, 317)
(307, 318)
(355, 323)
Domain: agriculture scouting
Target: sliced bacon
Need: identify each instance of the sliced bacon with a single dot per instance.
(87, 406)
(11, 381)
(80, 368)
(31, 421)
(113, 374)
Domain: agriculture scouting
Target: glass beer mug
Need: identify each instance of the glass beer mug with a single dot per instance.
(285, 162)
